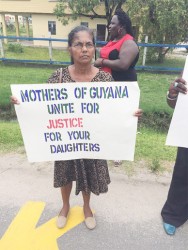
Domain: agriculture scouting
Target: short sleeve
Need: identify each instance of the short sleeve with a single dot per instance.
(54, 78)
(104, 77)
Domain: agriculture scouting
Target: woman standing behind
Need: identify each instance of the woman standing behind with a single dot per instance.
(120, 55)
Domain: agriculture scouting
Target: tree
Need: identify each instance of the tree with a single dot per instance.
(71, 9)
(164, 21)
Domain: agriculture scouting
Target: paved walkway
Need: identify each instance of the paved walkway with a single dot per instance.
(128, 216)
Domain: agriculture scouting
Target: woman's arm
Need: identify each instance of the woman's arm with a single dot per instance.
(176, 87)
(128, 52)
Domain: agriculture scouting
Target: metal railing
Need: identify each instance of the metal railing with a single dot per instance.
(3, 57)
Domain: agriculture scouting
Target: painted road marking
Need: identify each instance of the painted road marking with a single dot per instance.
(22, 233)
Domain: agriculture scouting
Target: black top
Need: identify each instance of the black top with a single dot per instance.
(126, 75)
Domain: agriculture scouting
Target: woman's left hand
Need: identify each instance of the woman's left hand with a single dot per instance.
(179, 85)
(138, 113)
(98, 62)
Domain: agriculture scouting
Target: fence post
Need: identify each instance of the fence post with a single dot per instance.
(1, 47)
(50, 48)
(145, 52)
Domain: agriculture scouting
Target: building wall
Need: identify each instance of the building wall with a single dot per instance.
(32, 6)
(26, 6)
(40, 28)
(41, 11)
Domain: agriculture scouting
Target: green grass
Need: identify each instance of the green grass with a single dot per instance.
(151, 145)
(37, 53)
(169, 62)
(10, 136)
(153, 89)
(34, 53)
(171, 59)
(19, 75)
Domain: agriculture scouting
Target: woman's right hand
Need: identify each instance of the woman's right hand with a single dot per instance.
(14, 100)
(179, 85)
(176, 87)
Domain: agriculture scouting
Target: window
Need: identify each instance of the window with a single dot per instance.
(52, 27)
(101, 32)
(84, 24)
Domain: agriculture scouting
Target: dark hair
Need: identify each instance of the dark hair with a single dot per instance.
(124, 21)
(76, 30)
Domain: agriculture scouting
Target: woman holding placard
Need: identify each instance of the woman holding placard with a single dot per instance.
(90, 175)
(175, 210)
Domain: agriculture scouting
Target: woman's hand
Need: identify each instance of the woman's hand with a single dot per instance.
(179, 85)
(176, 87)
(14, 100)
(138, 113)
(98, 62)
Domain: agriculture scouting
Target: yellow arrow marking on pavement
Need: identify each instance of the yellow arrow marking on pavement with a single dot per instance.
(22, 234)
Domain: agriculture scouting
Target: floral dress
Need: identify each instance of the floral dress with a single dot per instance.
(91, 175)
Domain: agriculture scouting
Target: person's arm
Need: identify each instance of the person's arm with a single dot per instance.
(128, 52)
(176, 87)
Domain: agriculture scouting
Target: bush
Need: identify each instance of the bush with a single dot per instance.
(155, 165)
(15, 47)
(157, 120)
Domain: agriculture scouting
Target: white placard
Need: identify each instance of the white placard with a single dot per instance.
(178, 132)
(78, 120)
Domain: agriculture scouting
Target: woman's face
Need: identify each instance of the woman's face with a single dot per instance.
(114, 27)
(82, 49)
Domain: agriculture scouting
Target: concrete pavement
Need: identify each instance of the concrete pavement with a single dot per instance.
(128, 216)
